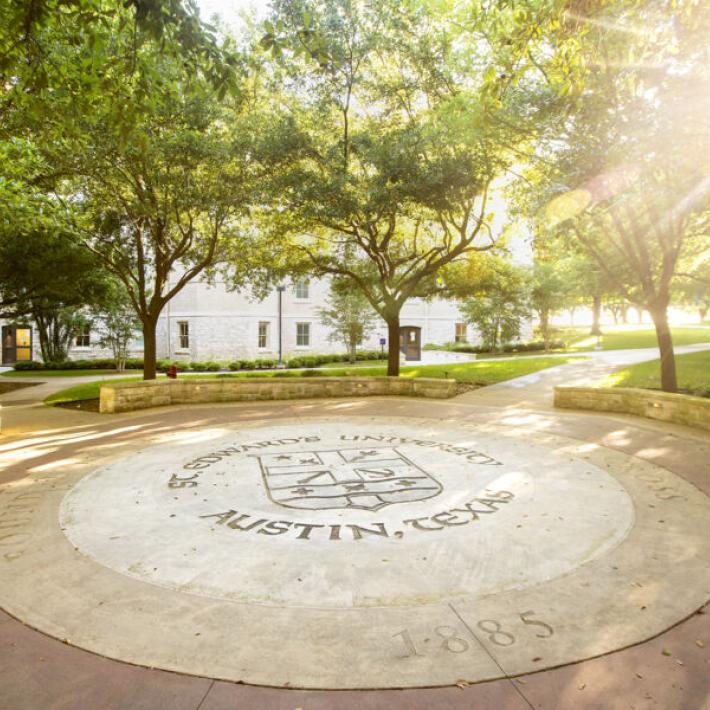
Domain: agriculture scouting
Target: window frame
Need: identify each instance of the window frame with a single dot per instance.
(183, 334)
(300, 288)
(300, 335)
(82, 338)
(265, 335)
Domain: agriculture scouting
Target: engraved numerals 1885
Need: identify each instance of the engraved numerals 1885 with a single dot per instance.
(452, 640)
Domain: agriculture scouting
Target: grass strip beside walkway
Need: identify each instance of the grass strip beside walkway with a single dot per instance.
(477, 373)
(693, 374)
(630, 337)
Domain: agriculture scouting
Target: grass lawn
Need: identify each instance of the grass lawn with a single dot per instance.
(478, 373)
(65, 373)
(628, 337)
(693, 374)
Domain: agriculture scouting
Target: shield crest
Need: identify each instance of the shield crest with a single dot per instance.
(368, 479)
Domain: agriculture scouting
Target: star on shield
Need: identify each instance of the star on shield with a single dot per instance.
(368, 479)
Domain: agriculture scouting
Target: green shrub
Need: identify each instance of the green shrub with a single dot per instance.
(532, 346)
(28, 365)
(264, 364)
(212, 366)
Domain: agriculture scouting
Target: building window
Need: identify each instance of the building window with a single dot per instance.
(302, 289)
(83, 336)
(183, 335)
(263, 340)
(303, 334)
(461, 333)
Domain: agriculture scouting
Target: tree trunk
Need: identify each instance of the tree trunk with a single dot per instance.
(669, 382)
(639, 312)
(624, 313)
(545, 328)
(149, 349)
(702, 312)
(596, 316)
(352, 352)
(393, 346)
(53, 342)
(42, 333)
(571, 316)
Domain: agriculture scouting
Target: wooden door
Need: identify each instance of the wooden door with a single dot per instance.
(410, 342)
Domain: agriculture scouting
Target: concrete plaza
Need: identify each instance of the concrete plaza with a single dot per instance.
(513, 555)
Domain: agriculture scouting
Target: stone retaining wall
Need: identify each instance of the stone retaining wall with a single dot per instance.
(664, 406)
(127, 396)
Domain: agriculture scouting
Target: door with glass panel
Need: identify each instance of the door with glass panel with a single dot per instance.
(16, 344)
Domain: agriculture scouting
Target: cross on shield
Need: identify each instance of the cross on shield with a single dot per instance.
(364, 478)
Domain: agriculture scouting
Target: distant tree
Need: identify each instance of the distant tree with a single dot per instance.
(48, 278)
(692, 288)
(118, 324)
(498, 304)
(551, 288)
(348, 315)
(619, 310)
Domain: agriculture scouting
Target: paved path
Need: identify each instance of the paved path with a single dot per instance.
(537, 389)
(670, 672)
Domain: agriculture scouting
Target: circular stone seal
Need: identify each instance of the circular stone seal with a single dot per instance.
(342, 517)
(363, 552)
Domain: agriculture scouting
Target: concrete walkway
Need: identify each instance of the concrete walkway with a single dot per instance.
(669, 672)
(536, 389)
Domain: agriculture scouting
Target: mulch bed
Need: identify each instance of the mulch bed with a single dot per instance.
(463, 387)
(85, 405)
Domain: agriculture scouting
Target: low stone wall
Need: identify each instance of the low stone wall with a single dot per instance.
(664, 406)
(127, 396)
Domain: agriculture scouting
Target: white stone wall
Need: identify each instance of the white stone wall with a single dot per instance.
(224, 325)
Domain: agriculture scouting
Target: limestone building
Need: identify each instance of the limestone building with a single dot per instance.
(206, 321)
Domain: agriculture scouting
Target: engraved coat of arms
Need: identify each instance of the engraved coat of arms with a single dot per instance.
(368, 479)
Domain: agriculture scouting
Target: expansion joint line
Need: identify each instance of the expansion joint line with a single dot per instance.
(204, 697)
(490, 655)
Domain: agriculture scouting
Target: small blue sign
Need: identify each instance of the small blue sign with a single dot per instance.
(383, 341)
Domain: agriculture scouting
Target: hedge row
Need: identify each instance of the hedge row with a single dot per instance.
(94, 364)
(532, 346)
(301, 361)
(316, 360)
